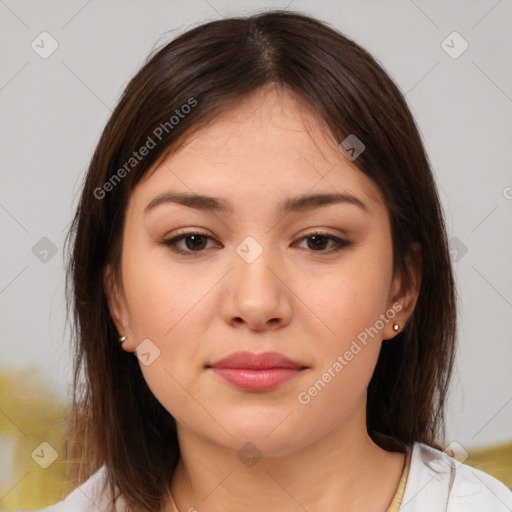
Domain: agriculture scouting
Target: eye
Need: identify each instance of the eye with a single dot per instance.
(317, 242)
(194, 242)
(191, 242)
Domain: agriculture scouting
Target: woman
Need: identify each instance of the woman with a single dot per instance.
(260, 228)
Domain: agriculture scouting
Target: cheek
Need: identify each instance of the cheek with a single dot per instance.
(163, 297)
(166, 307)
(347, 349)
(349, 303)
(349, 300)
(171, 306)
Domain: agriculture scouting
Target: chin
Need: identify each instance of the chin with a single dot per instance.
(272, 437)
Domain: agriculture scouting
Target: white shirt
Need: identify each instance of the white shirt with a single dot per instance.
(435, 483)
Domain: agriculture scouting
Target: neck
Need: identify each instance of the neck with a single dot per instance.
(343, 470)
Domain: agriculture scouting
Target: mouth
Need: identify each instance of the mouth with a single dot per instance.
(256, 372)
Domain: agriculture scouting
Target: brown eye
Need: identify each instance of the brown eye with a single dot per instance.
(193, 243)
(196, 242)
(319, 242)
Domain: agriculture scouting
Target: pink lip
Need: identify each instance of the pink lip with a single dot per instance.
(256, 372)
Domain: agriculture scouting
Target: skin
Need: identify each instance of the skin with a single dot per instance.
(306, 303)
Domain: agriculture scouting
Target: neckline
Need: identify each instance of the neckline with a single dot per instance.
(395, 502)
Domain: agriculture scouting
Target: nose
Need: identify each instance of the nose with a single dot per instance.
(257, 295)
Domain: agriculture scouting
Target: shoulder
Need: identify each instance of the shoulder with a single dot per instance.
(438, 482)
(91, 496)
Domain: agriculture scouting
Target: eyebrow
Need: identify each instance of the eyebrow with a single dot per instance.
(300, 203)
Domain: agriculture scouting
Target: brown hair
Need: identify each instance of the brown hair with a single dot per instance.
(116, 420)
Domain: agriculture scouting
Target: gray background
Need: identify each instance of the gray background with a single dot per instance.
(53, 111)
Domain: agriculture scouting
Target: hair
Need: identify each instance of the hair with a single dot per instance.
(116, 421)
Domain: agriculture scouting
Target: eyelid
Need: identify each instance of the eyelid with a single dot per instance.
(190, 231)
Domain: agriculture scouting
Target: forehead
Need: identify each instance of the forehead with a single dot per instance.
(270, 143)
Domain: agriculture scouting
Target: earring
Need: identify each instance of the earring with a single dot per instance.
(122, 339)
(396, 327)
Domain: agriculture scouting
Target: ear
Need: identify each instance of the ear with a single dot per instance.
(117, 306)
(404, 291)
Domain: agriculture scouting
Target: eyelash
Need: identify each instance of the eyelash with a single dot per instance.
(172, 242)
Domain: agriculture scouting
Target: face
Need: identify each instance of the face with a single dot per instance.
(201, 280)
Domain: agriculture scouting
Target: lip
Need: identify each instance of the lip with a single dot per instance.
(256, 372)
